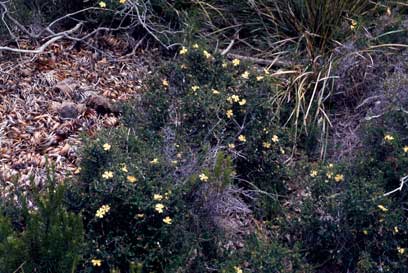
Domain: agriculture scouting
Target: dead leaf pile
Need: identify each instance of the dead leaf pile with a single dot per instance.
(47, 102)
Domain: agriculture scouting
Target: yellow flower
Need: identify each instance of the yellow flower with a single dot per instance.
(365, 232)
(167, 220)
(389, 11)
(242, 138)
(329, 174)
(165, 83)
(353, 24)
(266, 145)
(96, 262)
(381, 207)
(183, 66)
(131, 179)
(230, 114)
(140, 215)
(313, 173)
(245, 75)
(102, 4)
(100, 213)
(215, 92)
(388, 138)
(401, 250)
(124, 168)
(339, 178)
(203, 177)
(405, 149)
(107, 175)
(330, 165)
(157, 197)
(224, 65)
(238, 269)
(282, 150)
(77, 170)
(236, 62)
(275, 138)
(122, 1)
(396, 230)
(154, 161)
(183, 51)
(259, 78)
(206, 54)
(195, 88)
(159, 208)
(106, 146)
(195, 46)
(231, 146)
(233, 98)
(242, 102)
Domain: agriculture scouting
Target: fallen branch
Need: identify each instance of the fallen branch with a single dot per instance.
(32, 51)
(41, 49)
(403, 181)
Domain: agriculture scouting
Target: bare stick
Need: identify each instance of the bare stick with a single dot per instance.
(403, 181)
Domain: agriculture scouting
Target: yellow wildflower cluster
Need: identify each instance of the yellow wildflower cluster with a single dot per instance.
(123, 168)
(167, 220)
(195, 88)
(401, 250)
(388, 137)
(157, 197)
(159, 207)
(353, 24)
(155, 161)
(242, 138)
(203, 177)
(102, 4)
(313, 173)
(245, 75)
(405, 149)
(131, 179)
(381, 207)
(96, 262)
(107, 175)
(183, 51)
(206, 54)
(100, 213)
(266, 145)
(235, 98)
(165, 83)
(339, 178)
(231, 146)
(106, 146)
(230, 113)
(236, 62)
(275, 138)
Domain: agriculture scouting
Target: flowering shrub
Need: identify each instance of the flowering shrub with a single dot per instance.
(148, 190)
(347, 221)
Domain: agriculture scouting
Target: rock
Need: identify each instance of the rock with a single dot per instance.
(66, 87)
(101, 104)
(68, 110)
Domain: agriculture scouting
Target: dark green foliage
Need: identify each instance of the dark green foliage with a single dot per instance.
(50, 238)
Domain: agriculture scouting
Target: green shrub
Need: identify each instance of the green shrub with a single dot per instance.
(44, 237)
(346, 222)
